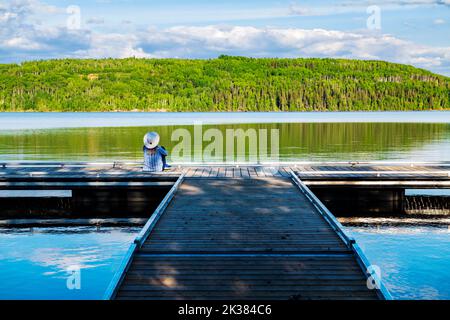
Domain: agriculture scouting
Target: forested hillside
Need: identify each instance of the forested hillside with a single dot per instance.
(223, 84)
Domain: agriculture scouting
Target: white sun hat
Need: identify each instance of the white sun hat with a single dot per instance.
(151, 140)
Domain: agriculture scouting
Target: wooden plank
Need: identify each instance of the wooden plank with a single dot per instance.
(151, 223)
(269, 171)
(256, 277)
(400, 172)
(262, 231)
(257, 213)
(284, 172)
(206, 172)
(214, 172)
(260, 171)
(382, 292)
(221, 172)
(245, 173)
(190, 172)
(120, 274)
(235, 222)
(229, 172)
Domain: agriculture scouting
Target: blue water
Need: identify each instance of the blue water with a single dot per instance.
(37, 263)
(25, 121)
(414, 260)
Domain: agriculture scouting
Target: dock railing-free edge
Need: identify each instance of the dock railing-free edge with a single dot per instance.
(142, 236)
(350, 242)
(363, 262)
(119, 275)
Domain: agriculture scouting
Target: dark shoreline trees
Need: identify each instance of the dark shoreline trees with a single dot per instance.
(223, 84)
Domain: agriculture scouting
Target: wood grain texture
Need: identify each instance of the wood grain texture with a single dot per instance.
(255, 237)
(252, 277)
(313, 172)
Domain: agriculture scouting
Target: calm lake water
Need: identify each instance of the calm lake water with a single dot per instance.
(411, 136)
(414, 260)
(36, 263)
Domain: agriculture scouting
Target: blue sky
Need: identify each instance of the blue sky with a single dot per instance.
(415, 32)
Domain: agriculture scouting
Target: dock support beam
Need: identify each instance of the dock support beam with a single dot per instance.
(346, 201)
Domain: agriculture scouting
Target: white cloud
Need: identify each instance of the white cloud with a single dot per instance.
(23, 37)
(24, 40)
(6, 16)
(112, 46)
(32, 7)
(439, 21)
(21, 44)
(210, 41)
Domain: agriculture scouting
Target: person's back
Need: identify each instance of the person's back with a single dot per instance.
(153, 159)
(154, 156)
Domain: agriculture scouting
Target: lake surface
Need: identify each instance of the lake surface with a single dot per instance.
(52, 120)
(414, 260)
(360, 136)
(37, 263)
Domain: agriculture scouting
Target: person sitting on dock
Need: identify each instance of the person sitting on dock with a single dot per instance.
(154, 155)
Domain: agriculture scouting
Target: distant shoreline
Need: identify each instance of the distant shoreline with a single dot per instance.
(225, 84)
(10, 121)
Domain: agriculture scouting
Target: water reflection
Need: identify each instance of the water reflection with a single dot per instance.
(298, 141)
(440, 222)
(413, 259)
(34, 263)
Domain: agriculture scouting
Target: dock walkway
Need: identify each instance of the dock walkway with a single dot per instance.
(243, 238)
(237, 231)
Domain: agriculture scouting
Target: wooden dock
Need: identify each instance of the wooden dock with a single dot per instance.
(427, 175)
(237, 231)
(251, 237)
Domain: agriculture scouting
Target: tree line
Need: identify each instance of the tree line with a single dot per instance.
(222, 84)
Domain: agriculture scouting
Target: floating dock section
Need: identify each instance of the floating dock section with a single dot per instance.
(236, 232)
(243, 238)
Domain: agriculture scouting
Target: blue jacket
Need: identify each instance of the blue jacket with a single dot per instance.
(154, 161)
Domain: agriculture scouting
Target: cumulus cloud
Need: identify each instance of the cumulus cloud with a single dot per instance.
(113, 45)
(24, 40)
(209, 41)
(24, 37)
